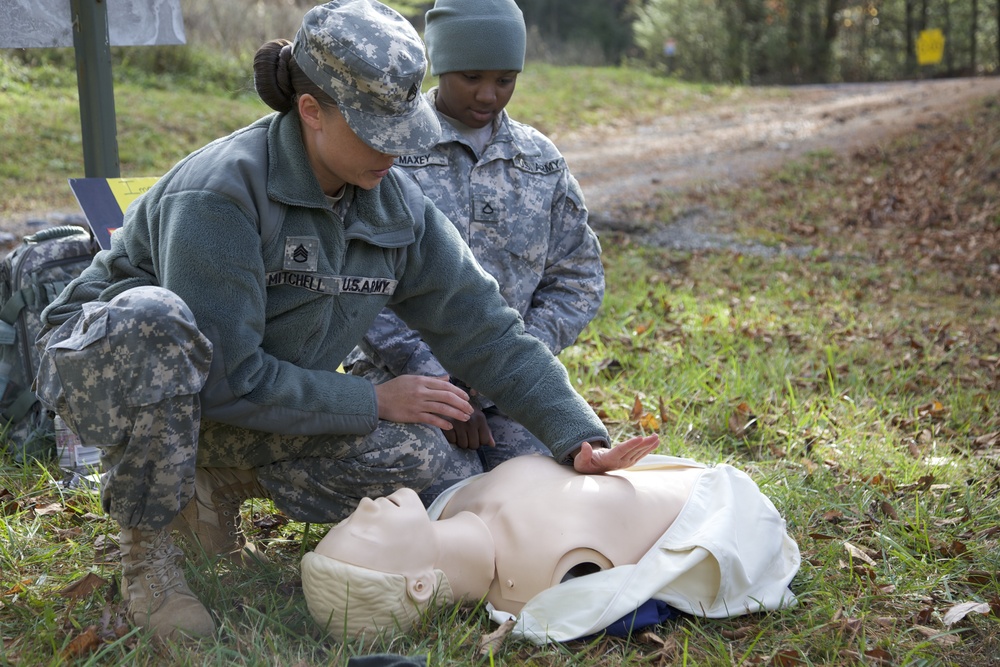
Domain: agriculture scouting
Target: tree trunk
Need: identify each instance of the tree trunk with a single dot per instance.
(975, 25)
(823, 30)
(911, 56)
(795, 38)
(949, 61)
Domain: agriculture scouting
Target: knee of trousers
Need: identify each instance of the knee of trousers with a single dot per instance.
(139, 349)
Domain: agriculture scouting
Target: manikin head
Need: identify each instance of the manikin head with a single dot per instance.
(377, 569)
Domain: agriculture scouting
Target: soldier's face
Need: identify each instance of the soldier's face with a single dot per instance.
(475, 97)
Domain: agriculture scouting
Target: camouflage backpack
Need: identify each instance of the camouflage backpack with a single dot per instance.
(31, 276)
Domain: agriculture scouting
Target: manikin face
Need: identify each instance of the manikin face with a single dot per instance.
(391, 534)
(475, 97)
(337, 155)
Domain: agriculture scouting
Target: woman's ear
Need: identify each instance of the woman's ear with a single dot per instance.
(420, 587)
(310, 111)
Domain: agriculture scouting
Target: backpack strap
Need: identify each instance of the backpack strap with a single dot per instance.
(20, 407)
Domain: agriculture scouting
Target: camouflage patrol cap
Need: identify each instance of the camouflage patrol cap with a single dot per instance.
(370, 60)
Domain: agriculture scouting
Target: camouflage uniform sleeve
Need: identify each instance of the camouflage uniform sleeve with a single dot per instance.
(572, 287)
(399, 349)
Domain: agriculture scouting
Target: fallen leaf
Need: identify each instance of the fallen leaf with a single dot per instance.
(934, 410)
(51, 508)
(858, 554)
(82, 644)
(879, 656)
(953, 550)
(788, 657)
(664, 415)
(833, 516)
(738, 633)
(937, 636)
(68, 534)
(636, 410)
(888, 510)
(742, 422)
(82, 588)
(963, 609)
(981, 577)
(649, 422)
(988, 440)
(491, 643)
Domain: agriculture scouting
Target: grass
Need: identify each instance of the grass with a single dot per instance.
(858, 383)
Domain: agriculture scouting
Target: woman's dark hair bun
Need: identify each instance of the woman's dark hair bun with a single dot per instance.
(271, 75)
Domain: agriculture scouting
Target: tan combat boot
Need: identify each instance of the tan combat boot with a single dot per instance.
(211, 521)
(154, 588)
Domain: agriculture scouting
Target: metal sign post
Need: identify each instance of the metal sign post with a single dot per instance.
(92, 27)
(97, 97)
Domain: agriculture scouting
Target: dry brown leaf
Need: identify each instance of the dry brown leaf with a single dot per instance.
(788, 657)
(833, 516)
(857, 554)
(491, 643)
(933, 410)
(963, 609)
(649, 422)
(738, 633)
(67, 534)
(988, 440)
(636, 410)
(742, 421)
(937, 636)
(878, 656)
(83, 644)
(953, 550)
(981, 577)
(651, 638)
(83, 587)
(888, 510)
(51, 508)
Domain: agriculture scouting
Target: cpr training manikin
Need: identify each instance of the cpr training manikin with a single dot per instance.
(565, 554)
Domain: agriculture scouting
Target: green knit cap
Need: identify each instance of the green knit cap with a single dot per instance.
(475, 35)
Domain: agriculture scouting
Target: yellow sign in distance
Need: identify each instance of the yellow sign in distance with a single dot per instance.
(930, 47)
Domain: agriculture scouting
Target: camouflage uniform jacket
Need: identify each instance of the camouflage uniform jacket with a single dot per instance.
(284, 286)
(522, 213)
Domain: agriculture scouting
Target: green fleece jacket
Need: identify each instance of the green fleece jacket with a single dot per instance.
(284, 287)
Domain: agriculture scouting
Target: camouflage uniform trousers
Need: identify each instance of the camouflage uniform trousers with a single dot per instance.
(125, 376)
(512, 439)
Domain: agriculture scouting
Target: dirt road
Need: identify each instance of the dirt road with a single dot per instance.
(627, 166)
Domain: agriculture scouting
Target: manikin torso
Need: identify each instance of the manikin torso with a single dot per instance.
(522, 528)
(549, 523)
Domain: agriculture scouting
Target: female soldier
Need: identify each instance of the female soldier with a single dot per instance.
(507, 190)
(200, 352)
